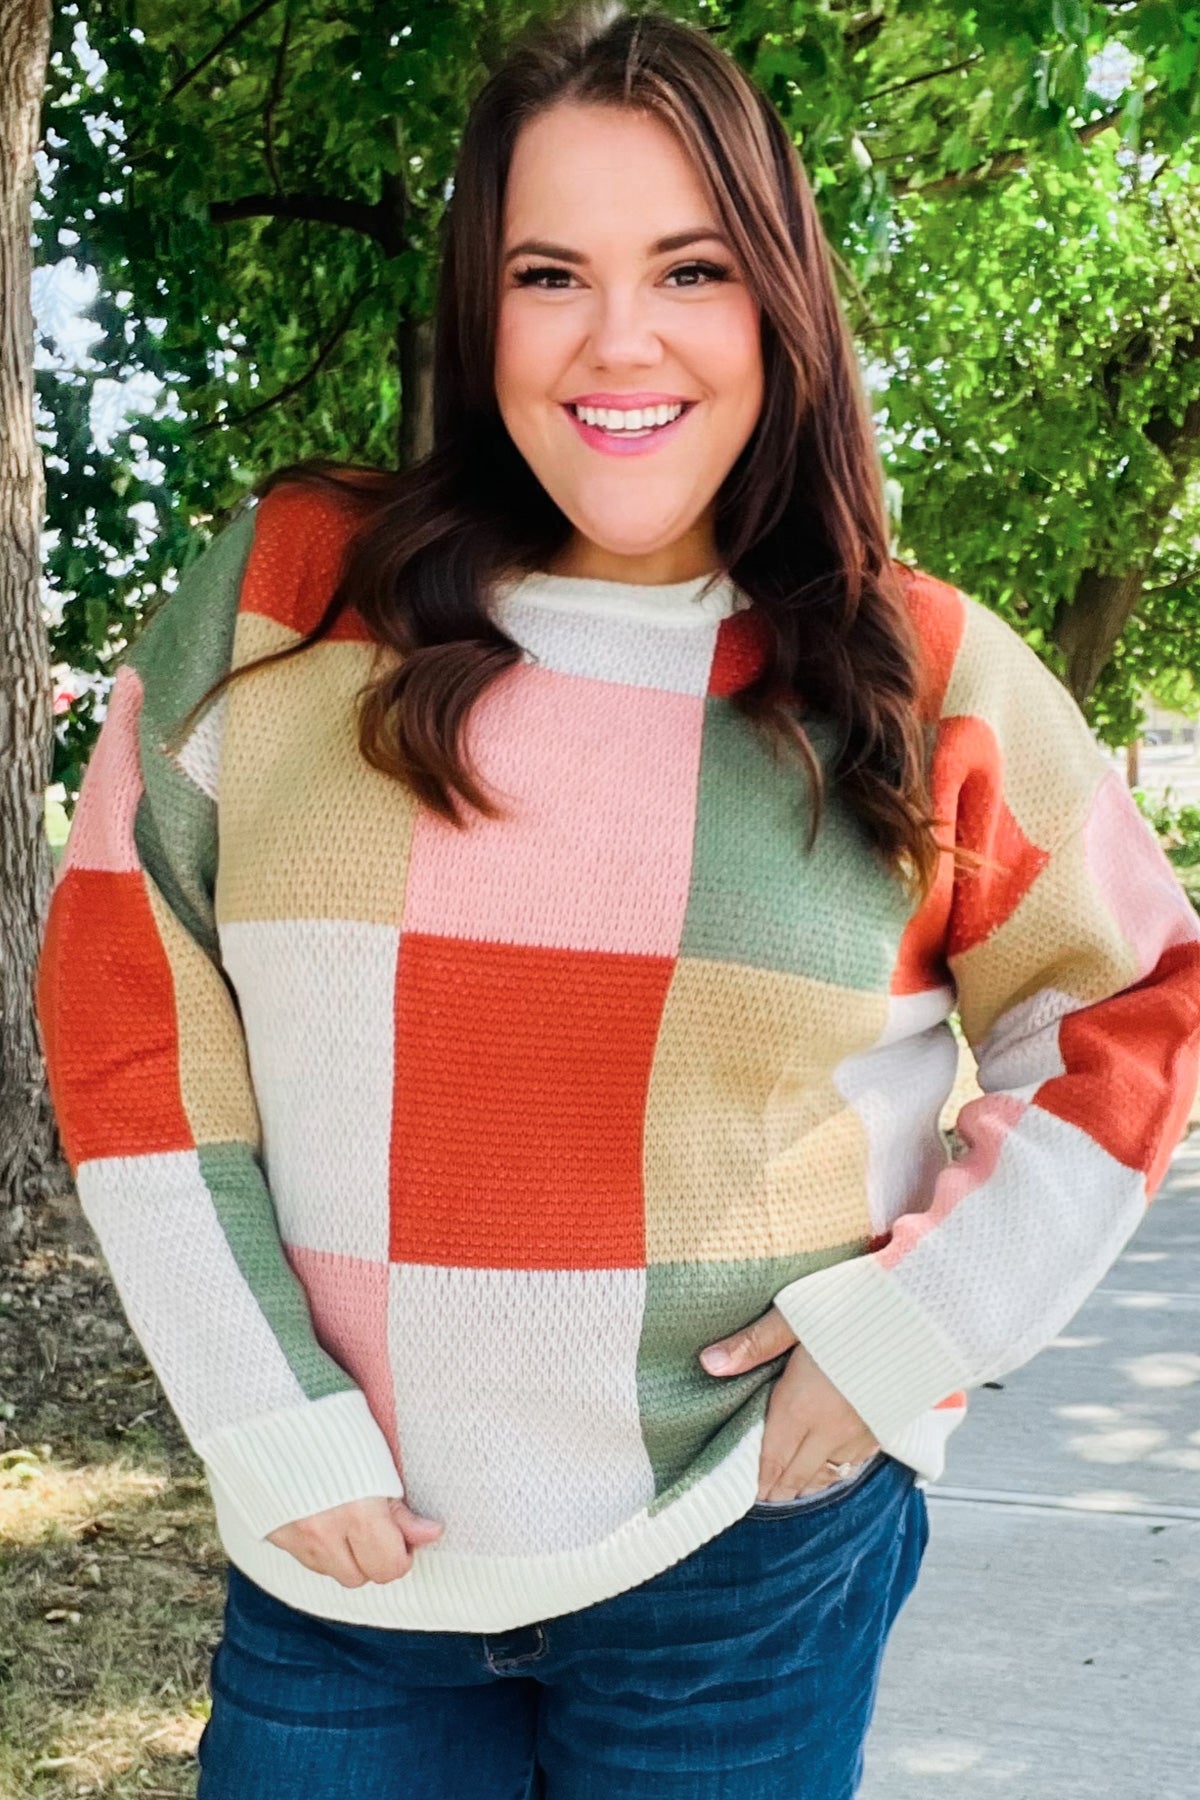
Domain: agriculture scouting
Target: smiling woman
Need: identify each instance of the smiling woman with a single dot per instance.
(536, 1211)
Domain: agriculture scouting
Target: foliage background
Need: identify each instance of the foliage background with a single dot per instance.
(1008, 188)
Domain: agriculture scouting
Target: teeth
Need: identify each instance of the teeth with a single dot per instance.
(639, 418)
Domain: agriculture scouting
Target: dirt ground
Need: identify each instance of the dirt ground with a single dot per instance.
(111, 1575)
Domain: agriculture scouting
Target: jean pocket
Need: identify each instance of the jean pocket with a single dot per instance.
(826, 1496)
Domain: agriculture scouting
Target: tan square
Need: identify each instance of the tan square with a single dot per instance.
(1051, 761)
(307, 828)
(214, 1074)
(751, 1150)
(1062, 935)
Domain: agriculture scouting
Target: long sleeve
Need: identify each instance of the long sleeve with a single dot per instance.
(148, 1072)
(1074, 956)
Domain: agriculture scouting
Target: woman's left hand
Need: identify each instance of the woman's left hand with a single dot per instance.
(808, 1422)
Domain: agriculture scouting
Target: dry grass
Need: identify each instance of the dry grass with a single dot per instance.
(111, 1575)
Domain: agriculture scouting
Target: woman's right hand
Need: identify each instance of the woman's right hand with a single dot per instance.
(359, 1541)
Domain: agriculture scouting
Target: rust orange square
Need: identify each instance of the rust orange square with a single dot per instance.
(520, 1091)
(106, 1005)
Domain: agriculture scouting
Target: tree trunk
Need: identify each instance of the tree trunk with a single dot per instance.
(31, 1167)
(1133, 763)
(414, 339)
(1087, 631)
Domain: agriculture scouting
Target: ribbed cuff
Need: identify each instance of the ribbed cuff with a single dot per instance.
(874, 1342)
(286, 1465)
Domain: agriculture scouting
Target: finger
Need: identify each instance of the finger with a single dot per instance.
(811, 1480)
(415, 1526)
(380, 1549)
(785, 1429)
(824, 1478)
(342, 1566)
(757, 1343)
(327, 1553)
(776, 1463)
(805, 1472)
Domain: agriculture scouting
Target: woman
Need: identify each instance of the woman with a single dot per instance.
(437, 1152)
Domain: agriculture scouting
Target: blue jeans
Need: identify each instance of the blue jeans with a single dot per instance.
(745, 1671)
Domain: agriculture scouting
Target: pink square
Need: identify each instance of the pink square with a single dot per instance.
(101, 834)
(1134, 877)
(600, 779)
(348, 1299)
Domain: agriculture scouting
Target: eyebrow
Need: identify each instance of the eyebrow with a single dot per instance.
(677, 240)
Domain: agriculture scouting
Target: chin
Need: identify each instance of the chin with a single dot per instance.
(615, 536)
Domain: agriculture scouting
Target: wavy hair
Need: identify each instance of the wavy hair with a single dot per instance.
(799, 521)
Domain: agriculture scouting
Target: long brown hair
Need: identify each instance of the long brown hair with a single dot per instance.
(800, 522)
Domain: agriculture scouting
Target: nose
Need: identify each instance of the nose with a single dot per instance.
(623, 334)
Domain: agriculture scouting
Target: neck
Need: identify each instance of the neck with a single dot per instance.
(690, 557)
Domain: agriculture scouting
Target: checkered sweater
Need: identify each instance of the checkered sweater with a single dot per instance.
(426, 1160)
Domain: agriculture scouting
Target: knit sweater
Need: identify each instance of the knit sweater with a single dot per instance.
(426, 1160)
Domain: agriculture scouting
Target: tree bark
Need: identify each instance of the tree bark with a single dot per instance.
(1087, 631)
(414, 339)
(1133, 763)
(31, 1166)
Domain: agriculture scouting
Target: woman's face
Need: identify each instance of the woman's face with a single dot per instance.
(597, 310)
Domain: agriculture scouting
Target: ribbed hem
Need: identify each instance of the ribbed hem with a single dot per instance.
(286, 1465)
(446, 1591)
(874, 1342)
(922, 1444)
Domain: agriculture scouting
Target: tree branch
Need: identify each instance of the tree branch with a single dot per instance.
(1002, 164)
(894, 87)
(1186, 579)
(851, 278)
(222, 43)
(272, 102)
(372, 221)
(866, 25)
(293, 387)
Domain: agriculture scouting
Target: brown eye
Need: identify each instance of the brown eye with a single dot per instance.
(532, 276)
(710, 272)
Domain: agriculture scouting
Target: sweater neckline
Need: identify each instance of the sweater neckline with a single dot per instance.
(672, 603)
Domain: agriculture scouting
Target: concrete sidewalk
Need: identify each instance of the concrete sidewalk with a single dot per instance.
(1051, 1649)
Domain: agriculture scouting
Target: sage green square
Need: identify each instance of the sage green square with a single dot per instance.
(758, 894)
(690, 1419)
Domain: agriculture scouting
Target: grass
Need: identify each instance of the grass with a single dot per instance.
(111, 1574)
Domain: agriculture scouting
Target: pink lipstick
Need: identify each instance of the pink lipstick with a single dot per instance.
(624, 442)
